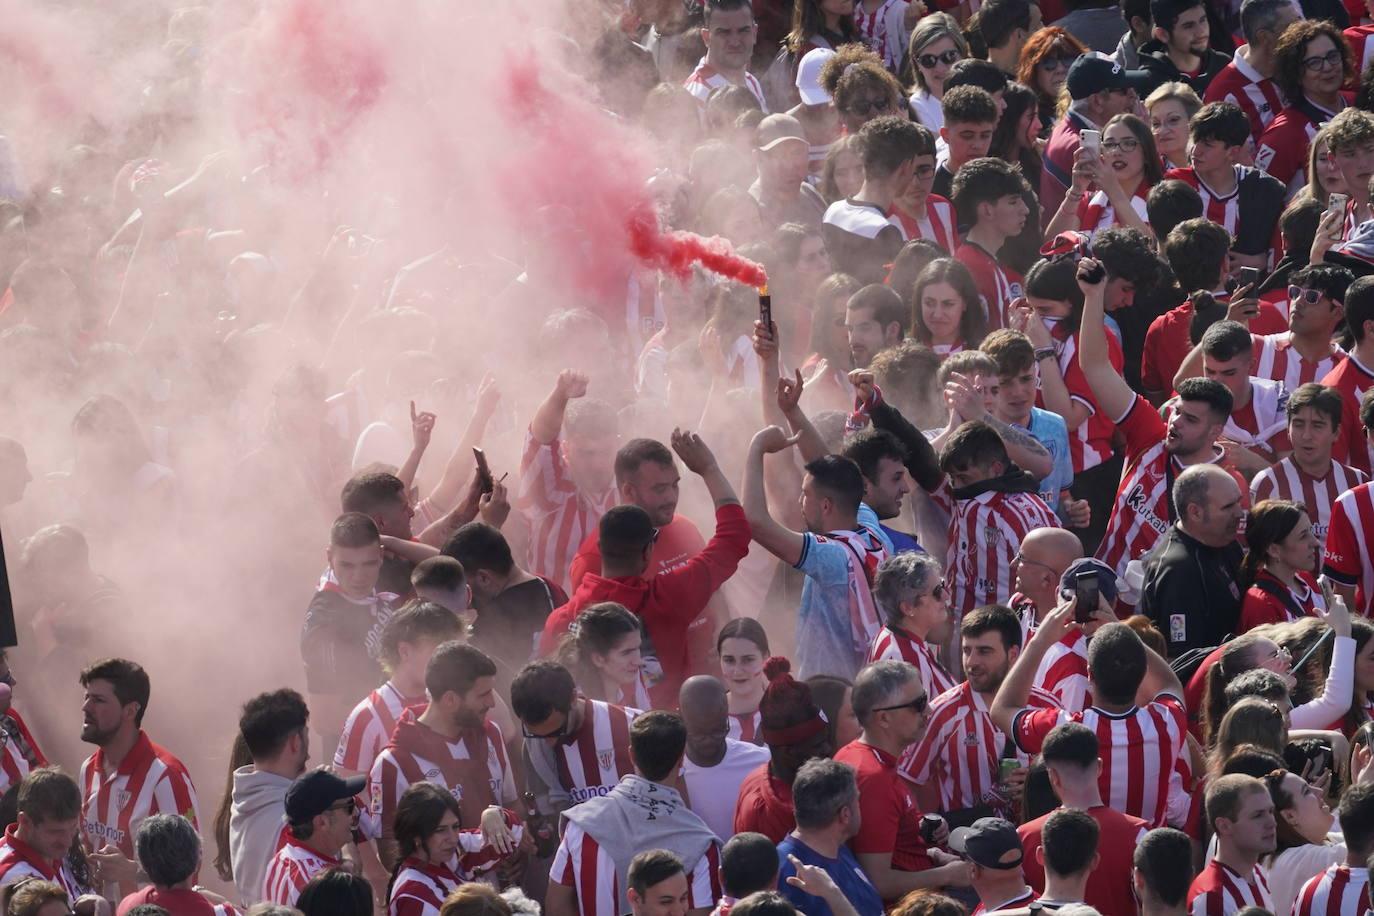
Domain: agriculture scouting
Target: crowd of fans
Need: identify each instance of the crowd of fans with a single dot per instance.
(1015, 555)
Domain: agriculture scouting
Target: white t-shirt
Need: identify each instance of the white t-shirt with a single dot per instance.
(712, 791)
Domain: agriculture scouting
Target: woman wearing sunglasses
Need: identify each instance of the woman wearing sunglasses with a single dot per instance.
(1312, 62)
(1044, 67)
(936, 45)
(911, 590)
(861, 87)
(1111, 189)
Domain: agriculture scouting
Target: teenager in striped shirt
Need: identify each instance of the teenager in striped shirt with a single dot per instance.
(1241, 812)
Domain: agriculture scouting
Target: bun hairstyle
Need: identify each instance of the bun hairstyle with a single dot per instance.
(787, 712)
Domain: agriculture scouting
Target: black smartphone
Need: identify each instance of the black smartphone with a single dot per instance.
(483, 471)
(1086, 589)
(1248, 276)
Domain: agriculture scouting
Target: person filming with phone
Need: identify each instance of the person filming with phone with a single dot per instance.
(1191, 589)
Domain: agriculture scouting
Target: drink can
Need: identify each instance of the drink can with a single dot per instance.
(1006, 766)
(929, 824)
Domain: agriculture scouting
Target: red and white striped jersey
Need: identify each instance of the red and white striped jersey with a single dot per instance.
(20, 860)
(705, 78)
(581, 863)
(985, 535)
(1338, 891)
(961, 748)
(873, 28)
(1096, 213)
(908, 647)
(1352, 379)
(559, 514)
(997, 283)
(477, 777)
(1358, 38)
(369, 727)
(1219, 891)
(1349, 542)
(1275, 358)
(1090, 443)
(745, 727)
(19, 753)
(940, 224)
(1138, 748)
(420, 889)
(1255, 94)
(1286, 480)
(148, 781)
(1063, 673)
(291, 870)
(592, 759)
(1250, 212)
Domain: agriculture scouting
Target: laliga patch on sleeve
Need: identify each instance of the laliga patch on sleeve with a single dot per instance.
(1263, 156)
(1178, 628)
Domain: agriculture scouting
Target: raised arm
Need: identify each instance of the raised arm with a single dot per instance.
(809, 442)
(1242, 308)
(548, 419)
(421, 429)
(1052, 387)
(777, 539)
(701, 461)
(460, 463)
(1015, 690)
(1113, 395)
(1023, 448)
(921, 461)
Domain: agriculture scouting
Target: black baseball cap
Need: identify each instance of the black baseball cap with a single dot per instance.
(990, 842)
(1106, 578)
(1090, 73)
(314, 792)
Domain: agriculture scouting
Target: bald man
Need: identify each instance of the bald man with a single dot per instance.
(1191, 591)
(1044, 555)
(714, 764)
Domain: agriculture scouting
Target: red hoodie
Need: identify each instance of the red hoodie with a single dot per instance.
(667, 603)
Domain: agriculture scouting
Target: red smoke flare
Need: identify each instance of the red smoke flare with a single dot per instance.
(579, 157)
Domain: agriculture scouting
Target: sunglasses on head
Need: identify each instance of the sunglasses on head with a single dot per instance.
(1055, 63)
(916, 705)
(944, 57)
(1298, 294)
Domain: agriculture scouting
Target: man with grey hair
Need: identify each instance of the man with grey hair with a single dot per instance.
(1248, 80)
(891, 705)
(825, 798)
(168, 851)
(1191, 591)
(913, 601)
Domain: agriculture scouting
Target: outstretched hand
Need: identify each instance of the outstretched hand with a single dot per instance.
(772, 439)
(694, 453)
(421, 426)
(790, 392)
(571, 384)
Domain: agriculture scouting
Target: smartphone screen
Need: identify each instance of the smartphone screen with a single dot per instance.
(1086, 590)
(488, 485)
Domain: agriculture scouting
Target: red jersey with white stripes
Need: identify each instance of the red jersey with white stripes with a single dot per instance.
(1358, 38)
(592, 759)
(997, 284)
(706, 78)
(1090, 443)
(581, 863)
(1063, 672)
(1096, 212)
(1250, 211)
(148, 781)
(559, 514)
(940, 224)
(369, 727)
(1142, 512)
(1219, 891)
(291, 870)
(1286, 480)
(873, 28)
(1338, 891)
(1282, 149)
(1138, 748)
(19, 753)
(908, 647)
(20, 860)
(1352, 379)
(1349, 545)
(1259, 605)
(1275, 358)
(1243, 85)
(474, 767)
(961, 748)
(421, 888)
(744, 726)
(985, 535)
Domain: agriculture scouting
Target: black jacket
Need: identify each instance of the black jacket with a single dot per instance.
(1154, 59)
(1191, 591)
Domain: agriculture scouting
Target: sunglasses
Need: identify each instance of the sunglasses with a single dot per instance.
(939, 592)
(1049, 64)
(559, 732)
(348, 805)
(944, 57)
(1298, 294)
(863, 106)
(919, 704)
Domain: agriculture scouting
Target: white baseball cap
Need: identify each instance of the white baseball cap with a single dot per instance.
(809, 76)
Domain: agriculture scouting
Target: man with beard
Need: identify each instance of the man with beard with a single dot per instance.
(959, 754)
(450, 742)
(873, 318)
(128, 778)
(882, 460)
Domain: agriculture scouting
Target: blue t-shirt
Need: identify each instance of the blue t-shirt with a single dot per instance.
(845, 872)
(901, 541)
(1050, 430)
(824, 642)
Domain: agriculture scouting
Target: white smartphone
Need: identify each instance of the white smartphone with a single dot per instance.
(1092, 140)
(1336, 202)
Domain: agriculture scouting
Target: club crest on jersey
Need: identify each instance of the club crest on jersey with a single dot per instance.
(122, 799)
(605, 758)
(971, 739)
(992, 536)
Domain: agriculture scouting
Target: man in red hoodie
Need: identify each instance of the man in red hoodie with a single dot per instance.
(667, 603)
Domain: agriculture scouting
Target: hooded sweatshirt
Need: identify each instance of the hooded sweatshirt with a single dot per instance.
(256, 817)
